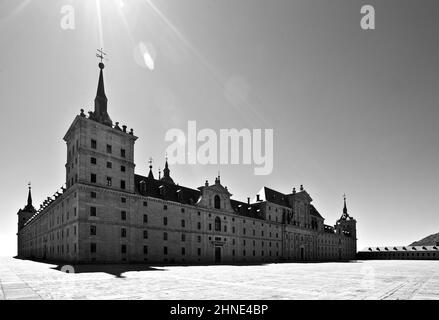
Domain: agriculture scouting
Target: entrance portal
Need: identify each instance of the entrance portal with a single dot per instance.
(217, 254)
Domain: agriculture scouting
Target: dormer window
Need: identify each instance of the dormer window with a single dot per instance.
(143, 186)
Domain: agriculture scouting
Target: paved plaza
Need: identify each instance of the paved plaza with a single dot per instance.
(21, 279)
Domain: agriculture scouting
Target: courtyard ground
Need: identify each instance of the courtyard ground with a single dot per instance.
(22, 279)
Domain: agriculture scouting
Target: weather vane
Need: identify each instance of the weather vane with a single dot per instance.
(100, 54)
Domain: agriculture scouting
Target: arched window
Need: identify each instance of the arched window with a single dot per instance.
(217, 224)
(217, 202)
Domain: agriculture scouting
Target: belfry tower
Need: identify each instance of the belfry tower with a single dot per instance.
(27, 212)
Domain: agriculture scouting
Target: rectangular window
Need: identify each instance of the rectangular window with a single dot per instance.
(123, 200)
(165, 236)
(165, 250)
(210, 226)
(122, 184)
(165, 221)
(145, 234)
(93, 160)
(123, 248)
(109, 181)
(199, 251)
(145, 249)
(93, 144)
(145, 218)
(93, 178)
(199, 238)
(123, 215)
(122, 168)
(93, 194)
(182, 210)
(108, 148)
(109, 165)
(92, 230)
(165, 207)
(183, 251)
(145, 204)
(123, 232)
(199, 225)
(183, 237)
(93, 247)
(93, 211)
(183, 223)
(122, 153)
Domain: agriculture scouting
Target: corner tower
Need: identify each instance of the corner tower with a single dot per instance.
(99, 153)
(27, 212)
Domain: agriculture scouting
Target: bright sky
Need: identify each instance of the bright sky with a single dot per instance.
(352, 111)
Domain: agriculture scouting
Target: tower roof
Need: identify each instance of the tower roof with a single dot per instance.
(29, 207)
(166, 174)
(345, 214)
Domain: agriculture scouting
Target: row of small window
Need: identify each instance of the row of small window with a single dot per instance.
(60, 249)
(51, 220)
(123, 250)
(183, 223)
(94, 145)
(93, 160)
(52, 235)
(109, 180)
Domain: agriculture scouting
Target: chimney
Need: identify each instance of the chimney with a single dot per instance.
(124, 128)
(248, 200)
(301, 187)
(257, 198)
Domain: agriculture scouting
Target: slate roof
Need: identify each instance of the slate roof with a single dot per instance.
(401, 249)
(313, 211)
(172, 192)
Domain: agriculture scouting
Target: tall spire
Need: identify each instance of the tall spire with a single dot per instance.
(29, 207)
(150, 175)
(166, 173)
(29, 196)
(101, 100)
(345, 214)
(345, 209)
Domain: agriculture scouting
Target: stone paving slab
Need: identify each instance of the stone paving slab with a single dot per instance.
(23, 279)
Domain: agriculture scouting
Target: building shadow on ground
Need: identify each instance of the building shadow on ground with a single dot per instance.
(116, 270)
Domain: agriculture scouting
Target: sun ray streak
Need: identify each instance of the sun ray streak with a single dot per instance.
(218, 78)
(15, 12)
(101, 35)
